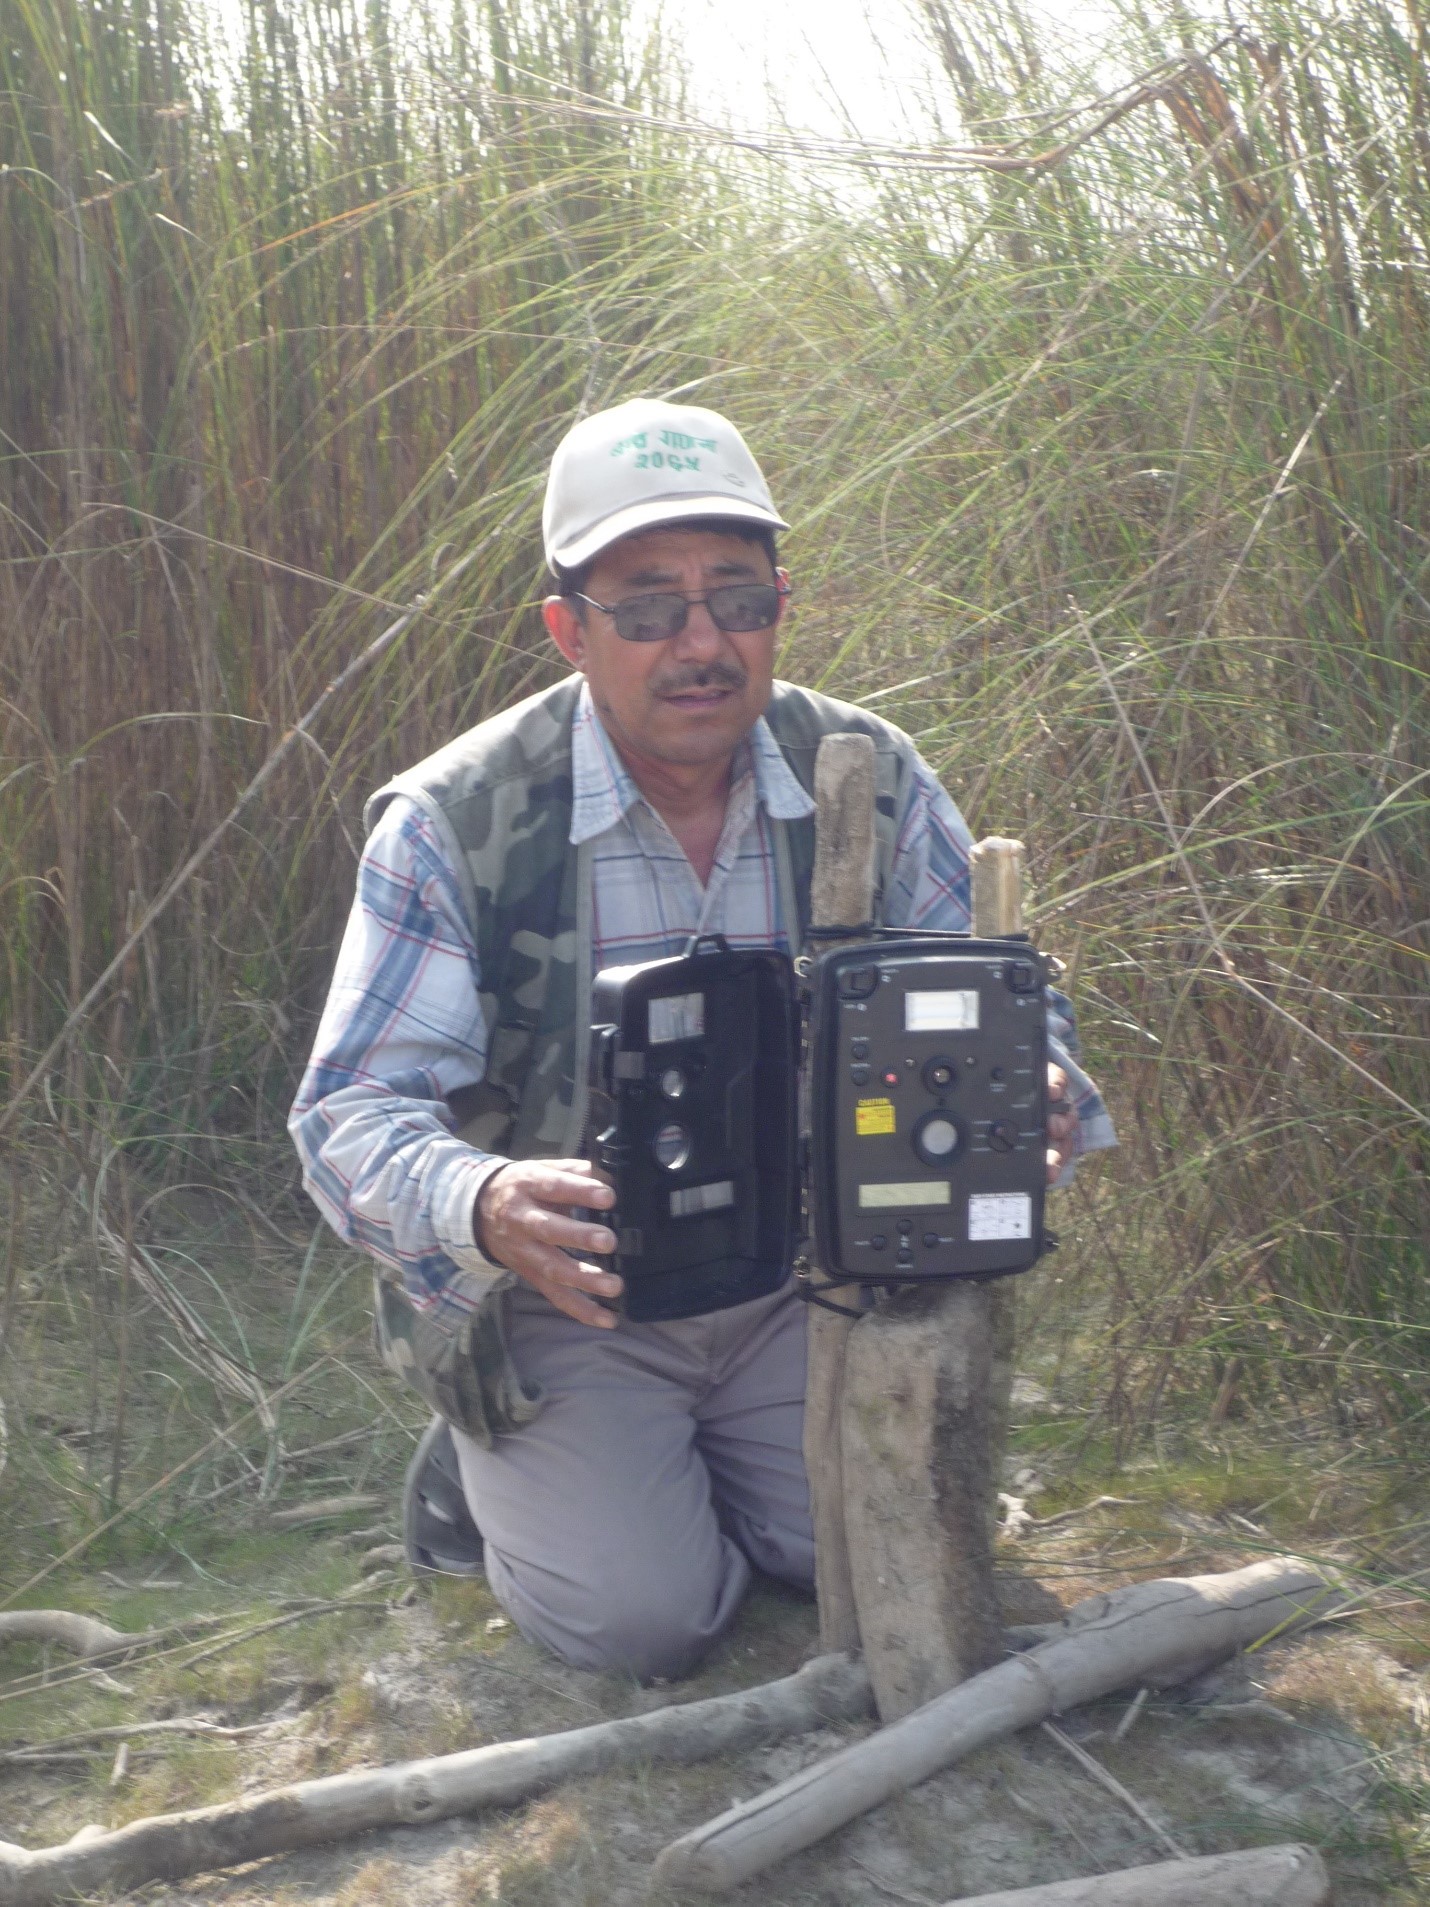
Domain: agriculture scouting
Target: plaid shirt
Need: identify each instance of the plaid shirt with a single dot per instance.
(403, 1027)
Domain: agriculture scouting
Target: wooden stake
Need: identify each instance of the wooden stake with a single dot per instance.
(841, 895)
(927, 1378)
(917, 1446)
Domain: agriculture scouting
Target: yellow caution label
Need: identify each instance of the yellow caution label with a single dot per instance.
(873, 1116)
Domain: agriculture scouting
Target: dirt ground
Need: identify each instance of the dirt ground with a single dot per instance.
(1322, 1739)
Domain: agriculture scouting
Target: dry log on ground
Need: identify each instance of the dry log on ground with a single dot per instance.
(1289, 1876)
(841, 895)
(171, 1846)
(1153, 1633)
(79, 1635)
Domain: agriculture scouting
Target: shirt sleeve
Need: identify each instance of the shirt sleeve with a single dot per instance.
(402, 1029)
(929, 887)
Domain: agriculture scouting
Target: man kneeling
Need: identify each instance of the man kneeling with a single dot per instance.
(624, 1476)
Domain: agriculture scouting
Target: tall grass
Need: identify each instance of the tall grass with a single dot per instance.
(1108, 480)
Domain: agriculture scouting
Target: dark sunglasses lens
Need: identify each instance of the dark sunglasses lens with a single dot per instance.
(744, 606)
(650, 618)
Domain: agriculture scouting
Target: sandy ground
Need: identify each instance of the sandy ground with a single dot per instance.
(1261, 1750)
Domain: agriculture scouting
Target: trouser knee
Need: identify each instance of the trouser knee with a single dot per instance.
(661, 1625)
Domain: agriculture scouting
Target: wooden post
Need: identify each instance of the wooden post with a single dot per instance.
(926, 1379)
(841, 895)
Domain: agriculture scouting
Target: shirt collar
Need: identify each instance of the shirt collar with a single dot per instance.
(602, 790)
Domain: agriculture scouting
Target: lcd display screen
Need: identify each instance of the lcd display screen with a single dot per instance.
(678, 1016)
(951, 1010)
(914, 1195)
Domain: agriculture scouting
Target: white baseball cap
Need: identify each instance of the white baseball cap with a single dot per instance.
(646, 463)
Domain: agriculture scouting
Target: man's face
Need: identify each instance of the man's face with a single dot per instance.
(688, 700)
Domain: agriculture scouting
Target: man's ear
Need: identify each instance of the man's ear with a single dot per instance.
(782, 578)
(565, 629)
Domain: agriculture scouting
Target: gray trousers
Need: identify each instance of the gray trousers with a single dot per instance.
(620, 1524)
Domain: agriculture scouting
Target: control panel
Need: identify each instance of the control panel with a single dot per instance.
(928, 1109)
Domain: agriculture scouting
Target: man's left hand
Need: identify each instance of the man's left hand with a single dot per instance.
(1062, 1122)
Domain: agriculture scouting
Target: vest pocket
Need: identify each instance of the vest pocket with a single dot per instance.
(461, 1370)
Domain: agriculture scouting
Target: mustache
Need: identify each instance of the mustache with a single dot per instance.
(721, 674)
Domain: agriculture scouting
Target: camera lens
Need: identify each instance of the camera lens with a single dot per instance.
(671, 1146)
(672, 1082)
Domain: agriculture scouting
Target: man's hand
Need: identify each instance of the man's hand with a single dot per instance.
(523, 1222)
(1062, 1122)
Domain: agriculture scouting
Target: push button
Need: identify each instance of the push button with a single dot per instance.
(859, 1074)
(906, 1225)
(878, 1241)
(930, 1239)
(857, 983)
(1021, 976)
(858, 1049)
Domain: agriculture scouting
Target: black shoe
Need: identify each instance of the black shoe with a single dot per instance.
(437, 1528)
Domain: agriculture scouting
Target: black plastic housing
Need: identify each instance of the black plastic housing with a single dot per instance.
(928, 1141)
(716, 1227)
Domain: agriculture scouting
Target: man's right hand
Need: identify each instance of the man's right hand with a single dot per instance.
(523, 1222)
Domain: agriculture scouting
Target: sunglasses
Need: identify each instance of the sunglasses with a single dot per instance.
(735, 608)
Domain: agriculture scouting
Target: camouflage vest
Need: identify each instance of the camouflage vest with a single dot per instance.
(500, 799)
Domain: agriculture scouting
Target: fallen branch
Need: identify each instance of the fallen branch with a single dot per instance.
(140, 1647)
(1106, 1779)
(380, 1556)
(1262, 1877)
(80, 1635)
(124, 1731)
(323, 1510)
(1085, 1509)
(239, 1636)
(1155, 1633)
(172, 1846)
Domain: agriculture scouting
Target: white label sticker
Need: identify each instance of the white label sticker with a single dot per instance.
(999, 1215)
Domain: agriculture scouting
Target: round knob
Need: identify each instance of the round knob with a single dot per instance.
(937, 1138)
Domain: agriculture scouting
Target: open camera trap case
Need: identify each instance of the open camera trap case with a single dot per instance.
(694, 1071)
(926, 1061)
